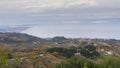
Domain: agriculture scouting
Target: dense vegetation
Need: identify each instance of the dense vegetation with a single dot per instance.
(62, 51)
(104, 62)
(89, 51)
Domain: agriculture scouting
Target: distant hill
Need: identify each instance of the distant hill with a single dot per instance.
(18, 37)
(59, 39)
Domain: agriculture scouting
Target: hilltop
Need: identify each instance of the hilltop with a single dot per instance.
(18, 37)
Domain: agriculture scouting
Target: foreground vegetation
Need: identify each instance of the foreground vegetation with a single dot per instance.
(11, 60)
(104, 62)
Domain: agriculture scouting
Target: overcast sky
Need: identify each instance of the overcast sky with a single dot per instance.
(69, 18)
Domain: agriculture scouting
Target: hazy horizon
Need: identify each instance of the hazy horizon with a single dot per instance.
(69, 18)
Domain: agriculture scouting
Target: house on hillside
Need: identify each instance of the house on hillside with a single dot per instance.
(109, 52)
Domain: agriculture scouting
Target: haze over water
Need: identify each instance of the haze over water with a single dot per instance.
(69, 18)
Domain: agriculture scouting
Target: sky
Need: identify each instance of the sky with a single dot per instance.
(69, 18)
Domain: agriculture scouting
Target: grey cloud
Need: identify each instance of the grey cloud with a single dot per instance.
(40, 5)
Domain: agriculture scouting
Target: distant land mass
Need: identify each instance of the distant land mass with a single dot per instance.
(27, 49)
(26, 37)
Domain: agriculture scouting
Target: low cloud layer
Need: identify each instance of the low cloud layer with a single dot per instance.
(14, 28)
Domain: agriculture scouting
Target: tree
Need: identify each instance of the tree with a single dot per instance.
(89, 51)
